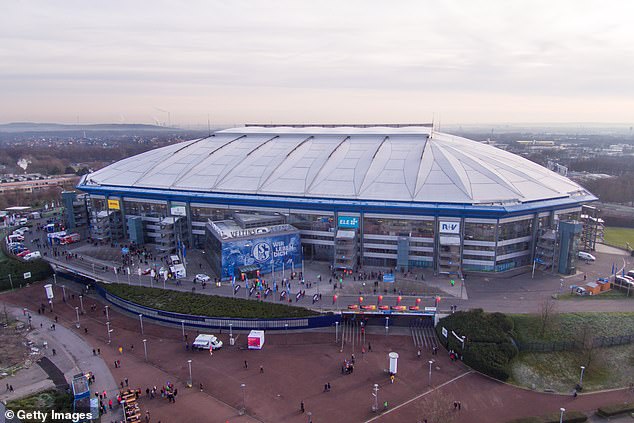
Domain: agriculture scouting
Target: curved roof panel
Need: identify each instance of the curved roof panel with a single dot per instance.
(344, 162)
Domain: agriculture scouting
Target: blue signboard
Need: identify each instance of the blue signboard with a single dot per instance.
(388, 277)
(266, 253)
(349, 222)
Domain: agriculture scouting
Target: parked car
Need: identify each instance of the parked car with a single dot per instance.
(32, 256)
(201, 277)
(586, 256)
(630, 273)
(581, 291)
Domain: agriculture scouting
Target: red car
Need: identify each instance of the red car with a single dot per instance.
(23, 253)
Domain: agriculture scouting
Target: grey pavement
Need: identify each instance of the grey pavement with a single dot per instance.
(73, 355)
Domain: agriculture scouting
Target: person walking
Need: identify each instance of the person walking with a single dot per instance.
(246, 364)
(261, 368)
(301, 406)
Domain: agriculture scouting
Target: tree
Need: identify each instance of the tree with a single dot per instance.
(586, 344)
(436, 407)
(547, 315)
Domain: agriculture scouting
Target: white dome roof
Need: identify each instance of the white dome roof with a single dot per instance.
(341, 162)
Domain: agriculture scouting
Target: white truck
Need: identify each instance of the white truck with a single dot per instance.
(206, 342)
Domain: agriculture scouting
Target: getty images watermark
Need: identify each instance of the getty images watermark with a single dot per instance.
(47, 416)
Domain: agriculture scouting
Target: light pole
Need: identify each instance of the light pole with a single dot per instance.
(230, 330)
(11, 281)
(145, 348)
(583, 368)
(189, 362)
(430, 364)
(141, 321)
(63, 290)
(108, 329)
(375, 399)
(286, 331)
(561, 414)
(54, 279)
(81, 303)
(183, 328)
(310, 417)
(461, 286)
(387, 325)
(77, 312)
(107, 315)
(336, 331)
(244, 397)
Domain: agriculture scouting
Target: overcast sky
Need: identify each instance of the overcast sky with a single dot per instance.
(316, 61)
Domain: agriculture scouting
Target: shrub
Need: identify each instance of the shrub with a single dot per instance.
(488, 346)
(569, 417)
(205, 305)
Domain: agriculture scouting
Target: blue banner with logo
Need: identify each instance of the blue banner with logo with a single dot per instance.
(388, 277)
(264, 252)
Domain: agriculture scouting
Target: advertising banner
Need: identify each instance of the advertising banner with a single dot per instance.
(113, 204)
(348, 222)
(267, 253)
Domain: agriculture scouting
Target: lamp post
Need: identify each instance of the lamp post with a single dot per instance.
(63, 291)
(387, 324)
(109, 331)
(107, 315)
(145, 348)
(375, 398)
(183, 328)
(583, 368)
(141, 321)
(430, 364)
(561, 414)
(230, 330)
(286, 331)
(310, 417)
(81, 303)
(244, 397)
(11, 281)
(189, 363)
(336, 331)
(77, 312)
(54, 278)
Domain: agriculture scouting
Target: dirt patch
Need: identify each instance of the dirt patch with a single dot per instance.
(14, 347)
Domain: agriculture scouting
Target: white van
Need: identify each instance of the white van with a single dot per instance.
(32, 256)
(586, 256)
(205, 342)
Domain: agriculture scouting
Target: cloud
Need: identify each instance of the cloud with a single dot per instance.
(130, 56)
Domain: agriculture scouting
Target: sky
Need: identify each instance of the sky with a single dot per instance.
(178, 62)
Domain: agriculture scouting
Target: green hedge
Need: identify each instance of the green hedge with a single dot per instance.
(569, 417)
(616, 409)
(488, 346)
(205, 305)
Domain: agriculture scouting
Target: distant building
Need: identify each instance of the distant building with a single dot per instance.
(35, 182)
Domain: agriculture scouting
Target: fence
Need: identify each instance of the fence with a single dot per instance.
(597, 342)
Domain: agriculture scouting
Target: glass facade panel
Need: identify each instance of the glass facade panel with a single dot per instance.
(480, 231)
(399, 227)
(516, 229)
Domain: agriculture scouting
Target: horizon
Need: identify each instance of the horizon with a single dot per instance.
(458, 63)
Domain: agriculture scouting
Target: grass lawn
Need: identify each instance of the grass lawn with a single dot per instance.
(611, 367)
(565, 326)
(43, 401)
(612, 294)
(619, 236)
(205, 305)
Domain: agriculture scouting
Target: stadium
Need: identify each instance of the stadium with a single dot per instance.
(262, 197)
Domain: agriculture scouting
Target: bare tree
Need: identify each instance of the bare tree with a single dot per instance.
(436, 407)
(547, 315)
(587, 347)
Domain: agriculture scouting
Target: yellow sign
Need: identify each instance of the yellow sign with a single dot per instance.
(113, 204)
